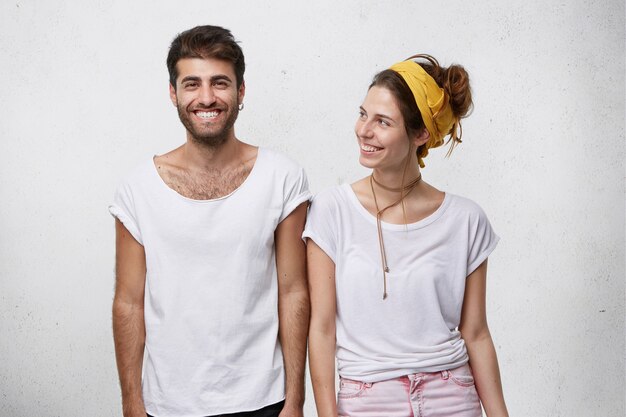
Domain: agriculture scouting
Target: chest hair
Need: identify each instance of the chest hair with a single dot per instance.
(205, 185)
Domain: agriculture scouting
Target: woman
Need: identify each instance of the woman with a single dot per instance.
(397, 268)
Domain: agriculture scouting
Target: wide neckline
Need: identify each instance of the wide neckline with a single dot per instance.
(447, 197)
(193, 200)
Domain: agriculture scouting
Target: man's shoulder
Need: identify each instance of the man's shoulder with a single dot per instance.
(137, 177)
(279, 163)
(278, 159)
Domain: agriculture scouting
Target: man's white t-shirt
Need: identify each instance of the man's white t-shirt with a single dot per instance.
(211, 288)
(415, 328)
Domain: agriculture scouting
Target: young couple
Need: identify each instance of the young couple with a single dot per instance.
(212, 304)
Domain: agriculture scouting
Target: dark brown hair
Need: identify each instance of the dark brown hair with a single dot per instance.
(453, 79)
(206, 42)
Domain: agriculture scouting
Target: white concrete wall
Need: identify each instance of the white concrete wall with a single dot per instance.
(84, 99)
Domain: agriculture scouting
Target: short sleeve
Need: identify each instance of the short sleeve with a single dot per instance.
(296, 191)
(483, 241)
(123, 209)
(321, 223)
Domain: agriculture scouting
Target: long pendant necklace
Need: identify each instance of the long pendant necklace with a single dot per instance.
(379, 213)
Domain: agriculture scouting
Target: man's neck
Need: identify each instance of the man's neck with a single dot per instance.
(200, 157)
(200, 172)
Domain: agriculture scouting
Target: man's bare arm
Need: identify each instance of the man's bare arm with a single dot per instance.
(128, 319)
(293, 306)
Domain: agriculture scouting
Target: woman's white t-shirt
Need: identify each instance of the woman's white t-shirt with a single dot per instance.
(416, 328)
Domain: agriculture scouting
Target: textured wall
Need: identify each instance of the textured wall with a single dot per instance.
(84, 99)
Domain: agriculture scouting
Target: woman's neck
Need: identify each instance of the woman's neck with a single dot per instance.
(390, 183)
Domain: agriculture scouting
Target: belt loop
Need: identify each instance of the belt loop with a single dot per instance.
(445, 374)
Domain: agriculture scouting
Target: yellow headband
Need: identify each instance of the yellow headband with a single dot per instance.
(433, 104)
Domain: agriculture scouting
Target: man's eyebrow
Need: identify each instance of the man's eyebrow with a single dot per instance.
(221, 77)
(213, 79)
(190, 78)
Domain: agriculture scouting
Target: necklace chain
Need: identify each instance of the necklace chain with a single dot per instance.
(379, 213)
(398, 189)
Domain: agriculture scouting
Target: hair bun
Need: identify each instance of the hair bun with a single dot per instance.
(455, 81)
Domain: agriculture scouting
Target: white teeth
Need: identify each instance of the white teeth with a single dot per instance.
(368, 148)
(207, 114)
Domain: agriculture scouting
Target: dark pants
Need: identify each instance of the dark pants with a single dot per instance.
(269, 411)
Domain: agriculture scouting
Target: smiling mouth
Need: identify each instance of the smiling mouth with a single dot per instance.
(206, 115)
(370, 148)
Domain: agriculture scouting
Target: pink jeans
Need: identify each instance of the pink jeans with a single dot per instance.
(437, 394)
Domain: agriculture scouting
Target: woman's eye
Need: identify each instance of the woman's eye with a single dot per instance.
(383, 122)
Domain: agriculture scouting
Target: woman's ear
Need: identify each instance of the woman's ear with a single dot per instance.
(421, 138)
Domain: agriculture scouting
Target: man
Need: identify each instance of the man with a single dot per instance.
(209, 261)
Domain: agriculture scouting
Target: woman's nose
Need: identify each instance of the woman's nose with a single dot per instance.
(363, 129)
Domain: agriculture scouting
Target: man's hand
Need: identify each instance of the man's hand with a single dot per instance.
(291, 411)
(134, 409)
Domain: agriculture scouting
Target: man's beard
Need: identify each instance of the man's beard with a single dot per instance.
(214, 137)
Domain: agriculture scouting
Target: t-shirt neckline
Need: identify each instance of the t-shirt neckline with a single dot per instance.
(154, 169)
(397, 227)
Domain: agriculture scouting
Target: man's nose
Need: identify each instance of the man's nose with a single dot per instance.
(207, 96)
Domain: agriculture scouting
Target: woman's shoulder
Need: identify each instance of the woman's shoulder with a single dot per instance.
(331, 198)
(465, 206)
(334, 193)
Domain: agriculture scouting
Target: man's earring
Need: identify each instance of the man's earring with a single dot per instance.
(240, 106)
